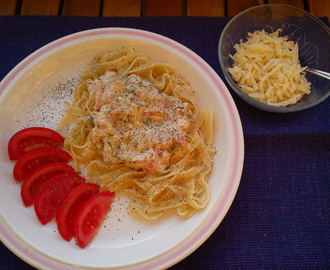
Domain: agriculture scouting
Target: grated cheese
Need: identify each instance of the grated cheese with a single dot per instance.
(267, 68)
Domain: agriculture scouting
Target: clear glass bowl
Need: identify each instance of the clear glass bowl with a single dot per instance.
(311, 34)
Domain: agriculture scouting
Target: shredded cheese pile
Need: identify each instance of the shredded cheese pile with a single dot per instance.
(267, 68)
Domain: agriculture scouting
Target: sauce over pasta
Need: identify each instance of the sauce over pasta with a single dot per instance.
(135, 128)
(135, 124)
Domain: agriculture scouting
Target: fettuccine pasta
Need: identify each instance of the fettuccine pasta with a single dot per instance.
(180, 181)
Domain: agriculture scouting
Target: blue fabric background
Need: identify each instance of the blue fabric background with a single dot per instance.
(280, 216)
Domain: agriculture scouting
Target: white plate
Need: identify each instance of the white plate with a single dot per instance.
(32, 94)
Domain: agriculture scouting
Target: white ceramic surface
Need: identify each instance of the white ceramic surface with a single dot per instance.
(33, 94)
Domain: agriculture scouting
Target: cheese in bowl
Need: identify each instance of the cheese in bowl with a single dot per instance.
(267, 68)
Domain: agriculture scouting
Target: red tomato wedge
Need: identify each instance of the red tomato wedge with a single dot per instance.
(35, 179)
(37, 158)
(70, 206)
(52, 192)
(31, 138)
(91, 216)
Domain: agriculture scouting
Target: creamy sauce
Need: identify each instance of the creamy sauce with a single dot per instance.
(135, 123)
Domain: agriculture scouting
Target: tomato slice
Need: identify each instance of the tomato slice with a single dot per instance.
(70, 206)
(37, 158)
(52, 192)
(31, 138)
(35, 179)
(91, 216)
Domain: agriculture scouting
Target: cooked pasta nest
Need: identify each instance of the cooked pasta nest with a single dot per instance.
(183, 186)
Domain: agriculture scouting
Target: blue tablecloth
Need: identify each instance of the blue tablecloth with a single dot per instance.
(280, 216)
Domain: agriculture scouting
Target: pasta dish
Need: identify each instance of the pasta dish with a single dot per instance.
(134, 128)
